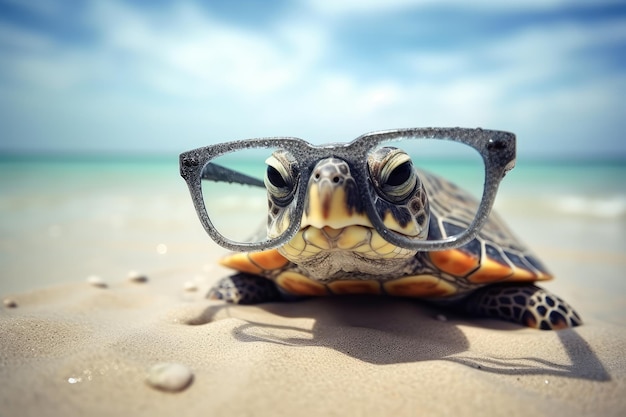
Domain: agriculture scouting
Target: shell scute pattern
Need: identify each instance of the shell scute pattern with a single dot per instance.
(498, 254)
(495, 255)
(339, 251)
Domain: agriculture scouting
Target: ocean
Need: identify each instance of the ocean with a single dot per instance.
(64, 219)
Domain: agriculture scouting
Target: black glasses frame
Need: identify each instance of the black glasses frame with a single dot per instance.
(497, 149)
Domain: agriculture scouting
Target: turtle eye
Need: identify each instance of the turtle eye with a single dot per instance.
(400, 174)
(393, 174)
(280, 178)
(274, 177)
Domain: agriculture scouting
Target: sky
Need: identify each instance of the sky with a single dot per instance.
(165, 76)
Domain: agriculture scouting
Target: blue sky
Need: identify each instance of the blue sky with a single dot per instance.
(166, 76)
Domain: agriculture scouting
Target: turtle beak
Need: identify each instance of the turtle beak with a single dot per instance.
(332, 199)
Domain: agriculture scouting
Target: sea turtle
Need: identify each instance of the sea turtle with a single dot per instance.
(338, 251)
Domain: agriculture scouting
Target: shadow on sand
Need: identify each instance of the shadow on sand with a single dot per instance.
(385, 331)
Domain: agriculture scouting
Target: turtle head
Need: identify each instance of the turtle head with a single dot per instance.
(336, 234)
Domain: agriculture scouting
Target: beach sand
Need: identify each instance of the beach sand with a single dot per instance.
(86, 349)
(72, 345)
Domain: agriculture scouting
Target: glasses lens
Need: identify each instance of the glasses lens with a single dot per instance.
(235, 193)
(451, 173)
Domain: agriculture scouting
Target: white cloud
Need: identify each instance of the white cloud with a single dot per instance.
(190, 53)
(345, 7)
(155, 75)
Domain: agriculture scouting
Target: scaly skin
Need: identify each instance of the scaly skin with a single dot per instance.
(528, 305)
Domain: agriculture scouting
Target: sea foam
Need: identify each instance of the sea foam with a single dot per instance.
(609, 207)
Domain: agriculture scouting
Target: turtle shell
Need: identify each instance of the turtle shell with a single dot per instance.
(495, 255)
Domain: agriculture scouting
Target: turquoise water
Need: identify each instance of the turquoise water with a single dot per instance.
(579, 188)
(65, 219)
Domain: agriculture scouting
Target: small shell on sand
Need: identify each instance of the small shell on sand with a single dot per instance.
(134, 276)
(9, 303)
(170, 377)
(96, 281)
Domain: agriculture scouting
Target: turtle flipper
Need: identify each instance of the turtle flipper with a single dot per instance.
(244, 288)
(528, 305)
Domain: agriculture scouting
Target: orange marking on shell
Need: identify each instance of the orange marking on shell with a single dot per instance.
(543, 276)
(240, 262)
(419, 286)
(490, 271)
(255, 262)
(268, 259)
(355, 287)
(520, 274)
(454, 261)
(298, 284)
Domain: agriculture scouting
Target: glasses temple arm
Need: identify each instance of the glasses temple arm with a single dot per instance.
(214, 172)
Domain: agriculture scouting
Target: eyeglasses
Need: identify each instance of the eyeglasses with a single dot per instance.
(256, 194)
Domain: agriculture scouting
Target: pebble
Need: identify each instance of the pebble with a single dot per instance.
(190, 286)
(134, 276)
(171, 377)
(96, 281)
(9, 303)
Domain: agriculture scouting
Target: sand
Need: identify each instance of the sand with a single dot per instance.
(87, 348)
